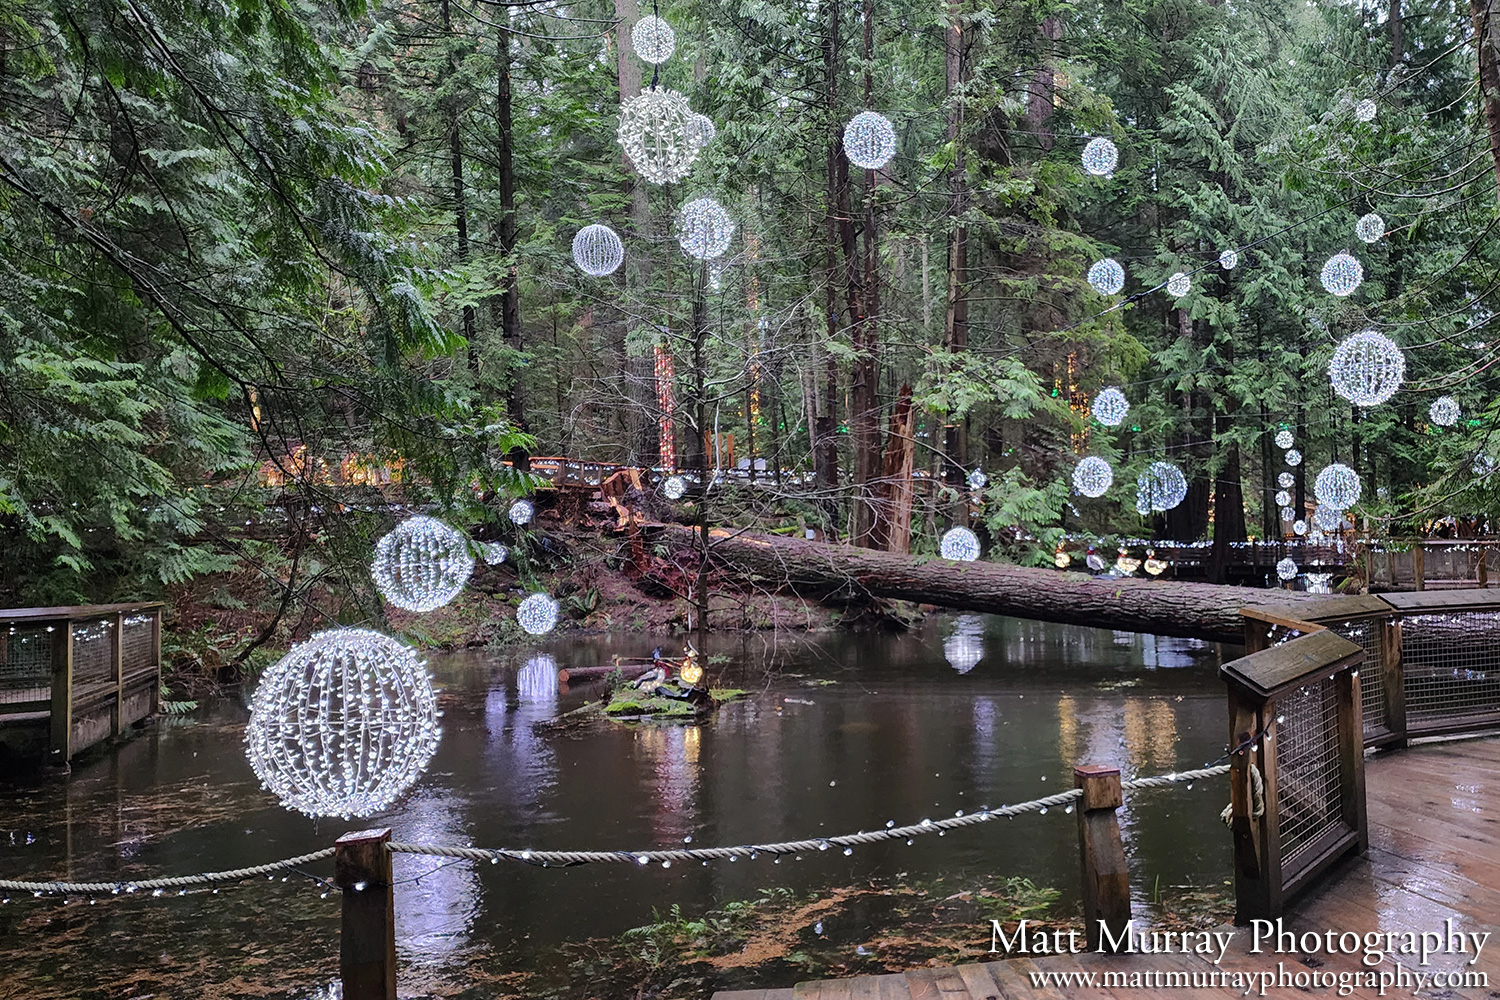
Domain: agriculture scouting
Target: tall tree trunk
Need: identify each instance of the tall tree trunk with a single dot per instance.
(1043, 85)
(825, 422)
(641, 417)
(456, 169)
(893, 529)
(1393, 25)
(864, 387)
(1486, 15)
(956, 311)
(510, 286)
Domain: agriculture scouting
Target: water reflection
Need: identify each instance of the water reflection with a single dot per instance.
(536, 681)
(964, 648)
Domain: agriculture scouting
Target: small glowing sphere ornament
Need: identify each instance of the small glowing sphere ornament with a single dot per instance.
(1299, 527)
(674, 487)
(978, 480)
(1162, 485)
(495, 553)
(1325, 518)
(1179, 285)
(521, 512)
(1444, 411)
(1293, 457)
(1288, 514)
(1093, 476)
(1286, 569)
(1100, 157)
(598, 250)
(1229, 260)
(343, 724)
(704, 229)
(960, 545)
(1370, 227)
(1342, 274)
(656, 132)
(1107, 277)
(653, 39)
(1286, 480)
(1365, 110)
(1484, 465)
(869, 140)
(1284, 439)
(537, 614)
(1283, 498)
(1337, 486)
(1367, 368)
(422, 564)
(701, 130)
(1110, 407)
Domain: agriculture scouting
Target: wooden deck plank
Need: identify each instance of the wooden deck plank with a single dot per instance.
(922, 984)
(980, 984)
(893, 987)
(950, 984)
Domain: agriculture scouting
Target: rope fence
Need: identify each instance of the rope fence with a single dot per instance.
(545, 859)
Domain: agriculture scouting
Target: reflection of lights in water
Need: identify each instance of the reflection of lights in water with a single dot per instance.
(438, 912)
(984, 735)
(672, 752)
(965, 647)
(1150, 735)
(537, 680)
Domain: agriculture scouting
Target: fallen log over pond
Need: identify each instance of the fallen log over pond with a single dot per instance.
(1161, 607)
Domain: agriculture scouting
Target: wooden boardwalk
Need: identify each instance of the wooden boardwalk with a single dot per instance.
(1434, 821)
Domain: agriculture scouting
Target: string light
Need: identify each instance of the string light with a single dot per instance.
(422, 564)
(1286, 569)
(674, 487)
(1293, 457)
(1444, 411)
(704, 229)
(1110, 407)
(1337, 486)
(521, 512)
(1483, 465)
(978, 480)
(1107, 276)
(1229, 260)
(960, 545)
(1288, 514)
(869, 140)
(701, 130)
(1286, 481)
(1342, 274)
(1367, 368)
(1370, 227)
(1179, 285)
(598, 250)
(495, 553)
(1299, 527)
(653, 39)
(1093, 476)
(537, 614)
(1100, 157)
(343, 724)
(656, 134)
(1161, 487)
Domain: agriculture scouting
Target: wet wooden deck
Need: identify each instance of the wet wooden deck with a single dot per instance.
(1434, 820)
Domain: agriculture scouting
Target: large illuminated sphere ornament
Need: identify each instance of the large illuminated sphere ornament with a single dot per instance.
(1229, 260)
(653, 39)
(1163, 485)
(1342, 274)
(1325, 518)
(537, 614)
(674, 487)
(1107, 277)
(1283, 498)
(869, 140)
(597, 250)
(1100, 157)
(1337, 486)
(1286, 569)
(1444, 411)
(1093, 476)
(495, 553)
(701, 130)
(521, 512)
(1369, 228)
(343, 724)
(704, 229)
(1110, 407)
(1293, 457)
(1286, 480)
(1367, 368)
(978, 480)
(656, 132)
(1179, 285)
(959, 544)
(1284, 439)
(1365, 110)
(422, 564)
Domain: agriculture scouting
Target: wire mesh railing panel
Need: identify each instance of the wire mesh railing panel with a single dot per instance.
(93, 651)
(138, 643)
(1452, 664)
(1365, 633)
(1309, 799)
(25, 663)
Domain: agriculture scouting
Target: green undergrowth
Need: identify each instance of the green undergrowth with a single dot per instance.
(628, 701)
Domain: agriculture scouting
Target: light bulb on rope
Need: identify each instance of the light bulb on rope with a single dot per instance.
(1229, 260)
(422, 564)
(1179, 285)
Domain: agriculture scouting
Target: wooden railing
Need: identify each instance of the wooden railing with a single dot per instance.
(76, 675)
(1322, 681)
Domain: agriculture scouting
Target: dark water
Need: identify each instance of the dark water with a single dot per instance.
(900, 734)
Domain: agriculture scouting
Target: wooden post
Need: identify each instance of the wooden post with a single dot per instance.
(1419, 568)
(1484, 576)
(119, 630)
(1393, 678)
(60, 742)
(1352, 756)
(367, 947)
(1257, 856)
(1106, 877)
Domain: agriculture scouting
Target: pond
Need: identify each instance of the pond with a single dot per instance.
(841, 733)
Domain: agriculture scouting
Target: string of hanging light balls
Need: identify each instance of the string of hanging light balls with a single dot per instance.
(1093, 476)
(1367, 368)
(1110, 406)
(598, 250)
(537, 614)
(1160, 488)
(704, 229)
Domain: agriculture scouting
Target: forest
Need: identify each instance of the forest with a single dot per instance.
(273, 271)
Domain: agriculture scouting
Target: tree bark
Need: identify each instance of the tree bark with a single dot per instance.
(897, 490)
(510, 287)
(1486, 15)
(1393, 24)
(825, 422)
(1162, 607)
(864, 381)
(460, 200)
(956, 313)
